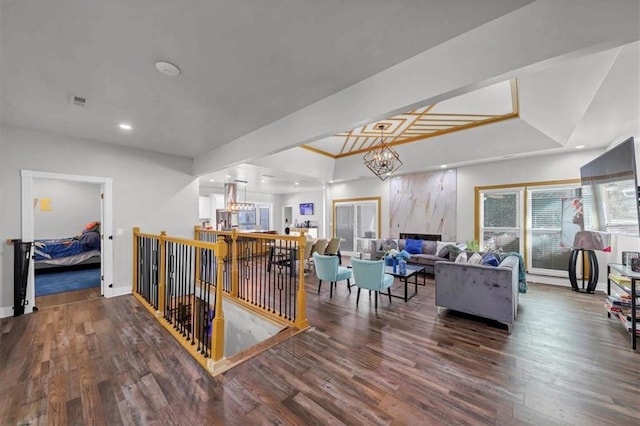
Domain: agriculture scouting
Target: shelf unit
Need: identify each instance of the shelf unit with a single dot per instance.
(616, 269)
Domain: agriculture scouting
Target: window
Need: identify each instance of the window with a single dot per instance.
(548, 222)
(501, 218)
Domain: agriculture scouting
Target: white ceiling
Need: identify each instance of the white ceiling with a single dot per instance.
(247, 64)
(244, 63)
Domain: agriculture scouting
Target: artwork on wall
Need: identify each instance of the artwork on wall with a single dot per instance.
(424, 203)
(45, 204)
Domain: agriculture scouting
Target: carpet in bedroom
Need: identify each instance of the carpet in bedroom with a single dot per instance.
(60, 282)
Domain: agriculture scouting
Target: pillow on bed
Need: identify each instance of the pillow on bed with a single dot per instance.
(92, 226)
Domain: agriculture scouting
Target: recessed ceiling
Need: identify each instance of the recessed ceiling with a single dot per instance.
(481, 107)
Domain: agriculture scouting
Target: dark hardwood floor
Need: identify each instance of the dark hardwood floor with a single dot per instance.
(106, 361)
(67, 297)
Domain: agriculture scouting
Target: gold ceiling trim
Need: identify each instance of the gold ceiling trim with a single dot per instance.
(414, 126)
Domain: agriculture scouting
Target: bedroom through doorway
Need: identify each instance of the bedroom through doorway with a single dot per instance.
(66, 230)
(69, 219)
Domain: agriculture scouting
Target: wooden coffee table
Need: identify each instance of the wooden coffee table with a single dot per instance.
(412, 271)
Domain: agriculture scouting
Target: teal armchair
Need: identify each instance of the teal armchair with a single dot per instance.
(327, 269)
(369, 274)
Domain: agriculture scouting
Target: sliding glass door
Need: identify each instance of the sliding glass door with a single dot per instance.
(356, 222)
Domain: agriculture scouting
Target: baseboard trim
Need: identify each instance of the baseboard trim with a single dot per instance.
(117, 291)
(6, 311)
(559, 281)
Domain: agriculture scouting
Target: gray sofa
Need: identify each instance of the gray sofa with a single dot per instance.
(486, 291)
(427, 258)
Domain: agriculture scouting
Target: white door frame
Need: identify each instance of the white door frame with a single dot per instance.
(106, 227)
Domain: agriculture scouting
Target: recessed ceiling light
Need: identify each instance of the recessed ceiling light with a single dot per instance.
(228, 176)
(330, 181)
(262, 180)
(167, 68)
(125, 126)
(212, 180)
(579, 146)
(444, 166)
(295, 183)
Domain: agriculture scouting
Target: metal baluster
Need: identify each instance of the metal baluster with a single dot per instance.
(182, 307)
(205, 316)
(191, 294)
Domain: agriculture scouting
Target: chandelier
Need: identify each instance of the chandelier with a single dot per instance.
(382, 160)
(235, 206)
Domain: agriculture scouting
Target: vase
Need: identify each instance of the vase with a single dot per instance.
(395, 265)
(402, 267)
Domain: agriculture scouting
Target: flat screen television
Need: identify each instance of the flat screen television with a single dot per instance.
(306, 209)
(610, 191)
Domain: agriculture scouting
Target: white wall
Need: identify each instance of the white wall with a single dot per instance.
(150, 190)
(73, 205)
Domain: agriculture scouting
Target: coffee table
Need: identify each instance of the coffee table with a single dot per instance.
(412, 271)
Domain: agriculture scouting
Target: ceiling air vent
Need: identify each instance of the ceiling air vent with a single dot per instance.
(79, 101)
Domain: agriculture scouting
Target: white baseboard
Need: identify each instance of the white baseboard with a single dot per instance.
(117, 291)
(6, 311)
(562, 282)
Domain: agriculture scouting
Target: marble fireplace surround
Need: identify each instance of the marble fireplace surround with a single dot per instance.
(424, 203)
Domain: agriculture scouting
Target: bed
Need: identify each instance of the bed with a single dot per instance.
(83, 249)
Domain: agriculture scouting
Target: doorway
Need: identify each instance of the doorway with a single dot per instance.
(287, 217)
(106, 225)
(67, 241)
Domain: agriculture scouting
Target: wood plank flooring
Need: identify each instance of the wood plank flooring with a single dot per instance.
(67, 297)
(106, 361)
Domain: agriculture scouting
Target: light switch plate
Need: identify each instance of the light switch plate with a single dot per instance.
(119, 231)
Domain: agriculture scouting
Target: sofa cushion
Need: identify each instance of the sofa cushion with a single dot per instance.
(424, 259)
(461, 258)
(475, 259)
(441, 244)
(429, 247)
(413, 246)
(490, 259)
(446, 250)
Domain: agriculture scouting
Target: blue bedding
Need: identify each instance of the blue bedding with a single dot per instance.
(65, 247)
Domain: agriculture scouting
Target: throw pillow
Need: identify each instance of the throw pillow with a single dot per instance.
(475, 259)
(490, 259)
(413, 246)
(429, 247)
(448, 251)
(389, 244)
(441, 244)
(462, 257)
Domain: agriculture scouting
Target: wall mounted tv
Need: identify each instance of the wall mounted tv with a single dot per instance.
(610, 191)
(306, 209)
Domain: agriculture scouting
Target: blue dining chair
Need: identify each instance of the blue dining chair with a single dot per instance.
(327, 269)
(369, 274)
